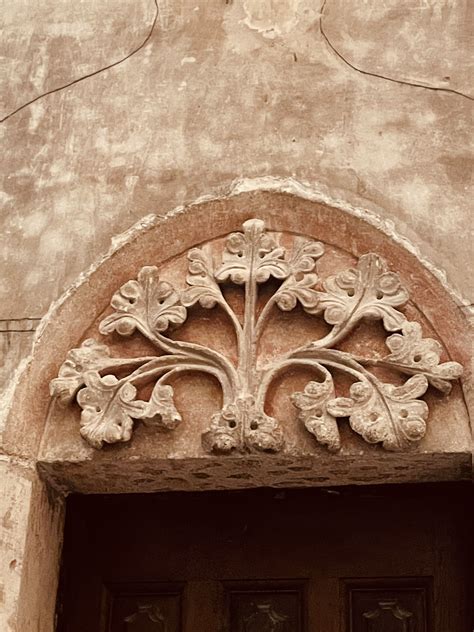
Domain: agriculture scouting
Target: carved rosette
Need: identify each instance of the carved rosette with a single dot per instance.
(393, 415)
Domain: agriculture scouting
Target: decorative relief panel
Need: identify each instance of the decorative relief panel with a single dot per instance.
(278, 610)
(147, 618)
(391, 413)
(381, 607)
(143, 609)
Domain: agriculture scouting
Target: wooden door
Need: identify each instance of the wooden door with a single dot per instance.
(356, 560)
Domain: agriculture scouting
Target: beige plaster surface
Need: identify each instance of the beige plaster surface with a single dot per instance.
(31, 522)
(220, 91)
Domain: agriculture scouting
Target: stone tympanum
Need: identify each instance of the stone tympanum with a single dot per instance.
(107, 388)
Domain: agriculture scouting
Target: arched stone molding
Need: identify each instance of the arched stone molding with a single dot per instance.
(65, 457)
(39, 433)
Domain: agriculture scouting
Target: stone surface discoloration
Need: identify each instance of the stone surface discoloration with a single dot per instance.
(83, 164)
(223, 92)
(104, 475)
(16, 484)
(31, 520)
(14, 346)
(401, 42)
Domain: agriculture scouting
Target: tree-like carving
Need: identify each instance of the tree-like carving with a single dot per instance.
(107, 389)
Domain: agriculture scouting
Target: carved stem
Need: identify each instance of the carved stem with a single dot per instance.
(225, 371)
(235, 321)
(247, 351)
(346, 363)
(270, 374)
(172, 364)
(314, 358)
(124, 362)
(399, 366)
(337, 359)
(228, 394)
(337, 333)
(265, 313)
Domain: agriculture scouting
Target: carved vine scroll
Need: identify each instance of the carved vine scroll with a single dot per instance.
(380, 412)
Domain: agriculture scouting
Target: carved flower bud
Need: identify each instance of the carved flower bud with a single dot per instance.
(388, 283)
(360, 391)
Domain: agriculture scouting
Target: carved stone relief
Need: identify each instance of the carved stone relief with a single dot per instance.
(147, 618)
(393, 609)
(390, 413)
(266, 609)
(264, 619)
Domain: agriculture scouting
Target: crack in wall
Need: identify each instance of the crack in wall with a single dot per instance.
(18, 325)
(90, 74)
(379, 76)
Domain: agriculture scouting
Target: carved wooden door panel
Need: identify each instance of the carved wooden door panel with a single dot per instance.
(376, 560)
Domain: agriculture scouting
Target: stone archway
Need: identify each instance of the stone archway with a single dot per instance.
(233, 435)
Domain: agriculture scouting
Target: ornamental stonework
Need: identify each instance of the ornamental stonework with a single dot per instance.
(378, 392)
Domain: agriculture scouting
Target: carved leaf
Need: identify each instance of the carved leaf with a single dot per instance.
(385, 413)
(160, 411)
(367, 291)
(305, 255)
(203, 288)
(413, 353)
(91, 355)
(300, 285)
(252, 256)
(263, 433)
(109, 407)
(301, 290)
(147, 303)
(313, 413)
(224, 434)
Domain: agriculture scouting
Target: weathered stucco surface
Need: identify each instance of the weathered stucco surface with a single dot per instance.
(370, 102)
(31, 538)
(223, 90)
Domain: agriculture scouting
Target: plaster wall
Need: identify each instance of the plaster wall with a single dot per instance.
(116, 109)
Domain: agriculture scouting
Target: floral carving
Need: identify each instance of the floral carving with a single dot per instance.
(367, 291)
(109, 389)
(241, 425)
(265, 619)
(252, 256)
(414, 354)
(312, 403)
(385, 413)
(90, 356)
(147, 304)
(392, 606)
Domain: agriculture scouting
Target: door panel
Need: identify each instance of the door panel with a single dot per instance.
(265, 607)
(389, 605)
(348, 560)
(143, 608)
